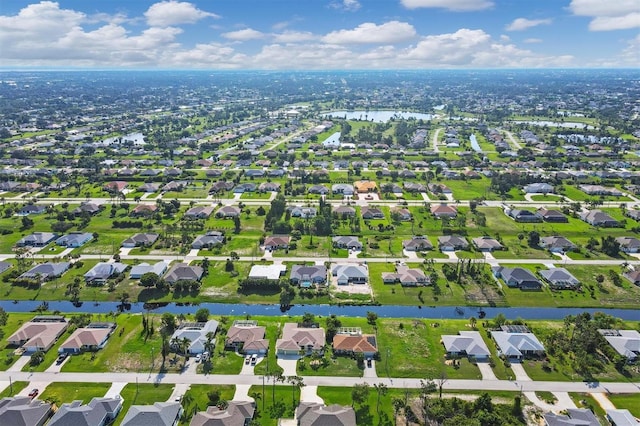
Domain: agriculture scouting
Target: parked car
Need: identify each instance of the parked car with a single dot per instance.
(254, 358)
(61, 358)
(369, 363)
(34, 393)
(247, 359)
(198, 357)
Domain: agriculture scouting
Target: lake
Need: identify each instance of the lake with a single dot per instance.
(378, 116)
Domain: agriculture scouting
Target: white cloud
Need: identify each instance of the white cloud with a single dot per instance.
(532, 40)
(474, 48)
(294, 37)
(348, 5)
(521, 24)
(169, 13)
(608, 15)
(387, 33)
(453, 5)
(243, 35)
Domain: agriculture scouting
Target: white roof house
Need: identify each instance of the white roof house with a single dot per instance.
(267, 272)
(196, 333)
(517, 344)
(469, 343)
(621, 418)
(625, 342)
(137, 271)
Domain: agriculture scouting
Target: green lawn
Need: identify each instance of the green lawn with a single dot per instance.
(61, 392)
(13, 389)
(274, 404)
(628, 401)
(196, 399)
(342, 366)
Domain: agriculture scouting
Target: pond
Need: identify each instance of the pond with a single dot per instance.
(568, 124)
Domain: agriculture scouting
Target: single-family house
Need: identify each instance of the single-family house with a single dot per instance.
(347, 242)
(149, 187)
(115, 186)
(487, 244)
(318, 189)
(407, 277)
(183, 272)
(32, 209)
(521, 215)
(237, 413)
(228, 212)
(599, 218)
(466, 343)
(517, 277)
(365, 186)
(40, 333)
(175, 186)
(247, 336)
(557, 244)
(143, 210)
(269, 187)
(444, 210)
(102, 271)
(574, 417)
(276, 242)
(46, 271)
(452, 243)
(24, 411)
(633, 276)
(267, 272)
(517, 342)
(550, 215)
(342, 188)
(196, 334)
(621, 417)
(559, 278)
(137, 271)
(199, 212)
(414, 187)
(538, 188)
(140, 240)
(74, 239)
(629, 244)
(417, 243)
(37, 239)
(296, 339)
(87, 207)
(350, 341)
(439, 188)
(600, 190)
(350, 273)
(4, 266)
(344, 211)
(625, 342)
(315, 413)
(371, 213)
(306, 276)
(98, 412)
(158, 414)
(209, 240)
(302, 212)
(254, 173)
(90, 338)
(221, 186)
(401, 213)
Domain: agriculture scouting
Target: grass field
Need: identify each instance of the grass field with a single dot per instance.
(59, 392)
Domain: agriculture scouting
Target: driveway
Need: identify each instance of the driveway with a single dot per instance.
(242, 393)
(178, 391)
(486, 371)
(603, 401)
(288, 364)
(55, 367)
(20, 363)
(370, 371)
(450, 254)
(353, 254)
(412, 255)
(115, 389)
(310, 394)
(248, 369)
(41, 386)
(521, 374)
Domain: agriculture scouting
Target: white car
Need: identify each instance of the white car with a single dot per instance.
(198, 357)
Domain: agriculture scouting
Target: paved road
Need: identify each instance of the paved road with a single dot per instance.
(513, 141)
(434, 142)
(189, 378)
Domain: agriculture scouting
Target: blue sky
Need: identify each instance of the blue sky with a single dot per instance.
(320, 34)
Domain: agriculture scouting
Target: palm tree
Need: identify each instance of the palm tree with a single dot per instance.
(381, 390)
(296, 382)
(184, 346)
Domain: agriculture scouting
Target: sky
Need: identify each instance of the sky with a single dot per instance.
(319, 34)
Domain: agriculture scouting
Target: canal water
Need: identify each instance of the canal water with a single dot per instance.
(389, 311)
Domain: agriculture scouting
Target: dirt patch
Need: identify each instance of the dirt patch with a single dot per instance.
(125, 363)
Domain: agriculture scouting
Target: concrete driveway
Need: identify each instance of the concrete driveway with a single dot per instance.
(521, 374)
(370, 371)
(288, 364)
(310, 394)
(486, 371)
(20, 363)
(115, 389)
(178, 391)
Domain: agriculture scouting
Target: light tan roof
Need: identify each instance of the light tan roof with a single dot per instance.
(86, 337)
(354, 343)
(40, 334)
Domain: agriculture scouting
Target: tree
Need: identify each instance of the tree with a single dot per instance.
(296, 382)
(202, 315)
(169, 322)
(372, 317)
(36, 359)
(214, 396)
(359, 393)
(149, 279)
(381, 390)
(441, 381)
(533, 239)
(27, 223)
(333, 324)
(472, 322)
